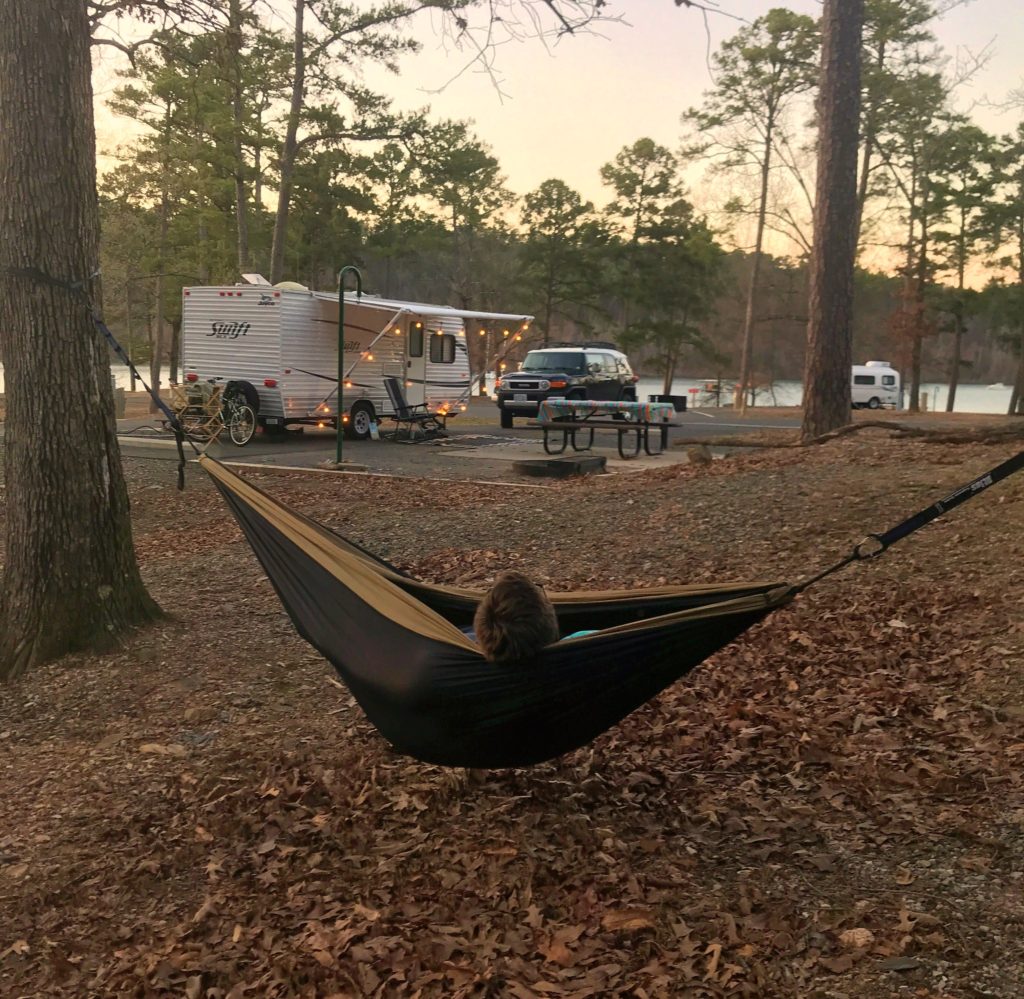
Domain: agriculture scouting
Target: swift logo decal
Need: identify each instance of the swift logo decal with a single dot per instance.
(229, 331)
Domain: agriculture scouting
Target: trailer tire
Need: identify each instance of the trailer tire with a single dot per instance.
(874, 402)
(248, 392)
(360, 416)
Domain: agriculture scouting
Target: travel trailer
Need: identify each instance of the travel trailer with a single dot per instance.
(278, 347)
(876, 385)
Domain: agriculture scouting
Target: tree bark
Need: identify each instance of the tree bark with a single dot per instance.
(70, 578)
(755, 274)
(289, 148)
(238, 113)
(156, 359)
(958, 311)
(827, 399)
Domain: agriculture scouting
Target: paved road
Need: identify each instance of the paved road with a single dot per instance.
(477, 447)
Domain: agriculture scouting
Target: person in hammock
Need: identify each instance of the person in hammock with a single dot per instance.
(515, 620)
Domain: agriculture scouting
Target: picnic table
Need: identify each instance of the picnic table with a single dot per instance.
(570, 417)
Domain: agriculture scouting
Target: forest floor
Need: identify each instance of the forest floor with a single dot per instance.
(831, 807)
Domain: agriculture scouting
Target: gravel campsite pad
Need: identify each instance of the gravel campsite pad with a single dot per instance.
(832, 806)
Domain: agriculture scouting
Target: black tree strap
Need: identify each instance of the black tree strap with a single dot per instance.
(80, 290)
(875, 544)
(172, 418)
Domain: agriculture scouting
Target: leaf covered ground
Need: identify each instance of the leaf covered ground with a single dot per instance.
(833, 806)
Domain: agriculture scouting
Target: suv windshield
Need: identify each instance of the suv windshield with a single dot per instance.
(553, 360)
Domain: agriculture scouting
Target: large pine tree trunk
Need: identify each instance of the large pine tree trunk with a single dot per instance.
(827, 399)
(70, 579)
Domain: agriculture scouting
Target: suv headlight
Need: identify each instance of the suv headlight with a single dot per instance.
(544, 385)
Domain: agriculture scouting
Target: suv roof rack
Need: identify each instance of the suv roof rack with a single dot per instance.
(583, 345)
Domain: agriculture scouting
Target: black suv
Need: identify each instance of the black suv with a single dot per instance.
(571, 371)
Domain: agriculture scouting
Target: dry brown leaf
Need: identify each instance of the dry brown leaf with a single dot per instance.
(627, 920)
(856, 938)
(159, 749)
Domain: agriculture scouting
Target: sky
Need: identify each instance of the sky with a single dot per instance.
(566, 109)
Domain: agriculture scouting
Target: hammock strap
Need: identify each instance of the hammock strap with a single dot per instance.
(876, 544)
(80, 290)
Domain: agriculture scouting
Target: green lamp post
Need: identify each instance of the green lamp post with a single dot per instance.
(349, 268)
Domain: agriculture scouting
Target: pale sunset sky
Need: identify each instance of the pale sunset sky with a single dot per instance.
(564, 110)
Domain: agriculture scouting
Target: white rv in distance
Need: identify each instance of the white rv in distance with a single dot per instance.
(876, 385)
(278, 347)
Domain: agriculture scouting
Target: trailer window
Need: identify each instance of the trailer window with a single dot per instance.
(863, 379)
(415, 339)
(888, 379)
(442, 348)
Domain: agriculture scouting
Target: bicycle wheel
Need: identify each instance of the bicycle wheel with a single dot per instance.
(241, 424)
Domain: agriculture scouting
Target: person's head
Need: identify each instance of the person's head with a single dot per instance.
(515, 619)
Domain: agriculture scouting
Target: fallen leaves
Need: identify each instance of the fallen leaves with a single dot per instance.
(833, 800)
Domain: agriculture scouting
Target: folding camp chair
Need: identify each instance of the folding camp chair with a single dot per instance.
(415, 418)
(197, 406)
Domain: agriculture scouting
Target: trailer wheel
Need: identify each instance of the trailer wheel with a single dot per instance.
(247, 391)
(360, 416)
(874, 402)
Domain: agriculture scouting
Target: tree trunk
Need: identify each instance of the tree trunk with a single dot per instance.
(156, 358)
(172, 363)
(920, 283)
(70, 578)
(237, 109)
(954, 366)
(1017, 395)
(670, 372)
(827, 401)
(755, 274)
(289, 149)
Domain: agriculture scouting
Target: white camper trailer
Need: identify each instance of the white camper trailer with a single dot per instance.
(278, 347)
(875, 385)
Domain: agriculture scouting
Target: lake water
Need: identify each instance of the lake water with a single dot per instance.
(969, 398)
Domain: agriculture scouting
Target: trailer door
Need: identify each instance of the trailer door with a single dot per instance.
(415, 363)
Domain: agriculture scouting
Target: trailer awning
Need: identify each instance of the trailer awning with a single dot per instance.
(425, 310)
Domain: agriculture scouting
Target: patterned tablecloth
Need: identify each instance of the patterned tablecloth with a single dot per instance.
(643, 412)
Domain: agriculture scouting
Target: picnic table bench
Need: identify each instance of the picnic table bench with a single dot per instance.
(569, 417)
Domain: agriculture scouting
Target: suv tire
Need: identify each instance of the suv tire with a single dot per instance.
(506, 420)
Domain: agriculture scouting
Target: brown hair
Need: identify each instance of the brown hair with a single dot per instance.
(515, 619)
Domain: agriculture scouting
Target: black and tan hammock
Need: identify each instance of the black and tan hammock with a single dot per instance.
(397, 644)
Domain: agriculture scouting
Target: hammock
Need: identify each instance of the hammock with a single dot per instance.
(425, 685)
(427, 688)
